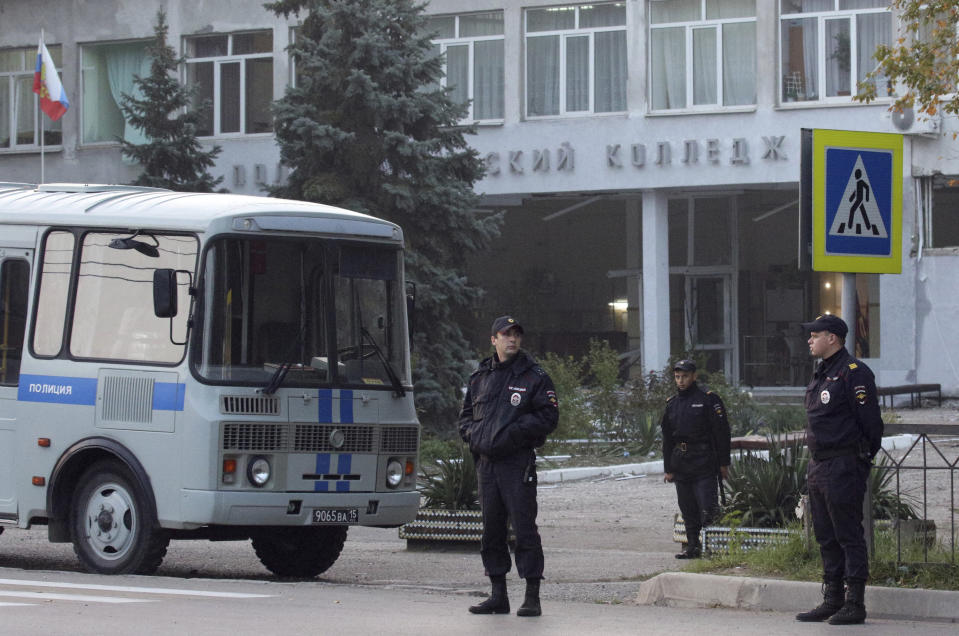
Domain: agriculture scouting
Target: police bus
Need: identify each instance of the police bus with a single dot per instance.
(182, 366)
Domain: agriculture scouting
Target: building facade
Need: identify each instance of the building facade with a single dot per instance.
(645, 155)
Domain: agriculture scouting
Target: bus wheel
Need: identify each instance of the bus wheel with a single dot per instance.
(113, 529)
(299, 552)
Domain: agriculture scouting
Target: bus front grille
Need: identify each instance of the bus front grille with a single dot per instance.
(317, 438)
(252, 436)
(399, 439)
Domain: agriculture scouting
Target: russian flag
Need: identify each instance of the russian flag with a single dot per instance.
(46, 84)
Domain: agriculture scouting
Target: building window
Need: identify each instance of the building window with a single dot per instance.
(702, 53)
(233, 76)
(942, 222)
(474, 60)
(107, 73)
(576, 59)
(827, 46)
(19, 124)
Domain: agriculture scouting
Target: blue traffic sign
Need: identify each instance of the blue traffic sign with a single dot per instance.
(856, 191)
(858, 201)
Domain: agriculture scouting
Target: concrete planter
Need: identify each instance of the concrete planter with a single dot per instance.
(718, 538)
(440, 528)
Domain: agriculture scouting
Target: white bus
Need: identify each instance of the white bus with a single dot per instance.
(181, 366)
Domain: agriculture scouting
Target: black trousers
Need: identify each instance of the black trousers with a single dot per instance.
(836, 490)
(699, 503)
(504, 497)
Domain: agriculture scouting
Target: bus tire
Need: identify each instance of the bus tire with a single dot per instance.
(299, 552)
(113, 528)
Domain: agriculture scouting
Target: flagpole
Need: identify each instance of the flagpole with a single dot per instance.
(40, 115)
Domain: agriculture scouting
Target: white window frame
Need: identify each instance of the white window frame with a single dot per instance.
(29, 56)
(218, 62)
(690, 26)
(821, 17)
(470, 41)
(564, 35)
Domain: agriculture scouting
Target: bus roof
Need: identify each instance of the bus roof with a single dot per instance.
(124, 206)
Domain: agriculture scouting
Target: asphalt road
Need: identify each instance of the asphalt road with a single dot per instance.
(78, 604)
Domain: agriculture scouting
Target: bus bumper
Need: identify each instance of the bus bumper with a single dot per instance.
(206, 507)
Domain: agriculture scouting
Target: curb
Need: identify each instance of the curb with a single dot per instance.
(557, 475)
(688, 590)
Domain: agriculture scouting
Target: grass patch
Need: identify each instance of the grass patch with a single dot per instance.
(792, 560)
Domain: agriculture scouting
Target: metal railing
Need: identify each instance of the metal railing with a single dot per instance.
(926, 454)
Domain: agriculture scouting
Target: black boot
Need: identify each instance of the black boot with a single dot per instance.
(498, 601)
(531, 605)
(692, 551)
(831, 602)
(853, 611)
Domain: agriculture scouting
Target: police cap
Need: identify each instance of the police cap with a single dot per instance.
(827, 322)
(685, 365)
(503, 323)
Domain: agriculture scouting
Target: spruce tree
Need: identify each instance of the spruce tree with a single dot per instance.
(367, 127)
(172, 157)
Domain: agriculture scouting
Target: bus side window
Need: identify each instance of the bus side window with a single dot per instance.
(50, 312)
(14, 280)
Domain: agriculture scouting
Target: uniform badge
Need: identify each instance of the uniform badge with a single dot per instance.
(860, 392)
(824, 397)
(515, 399)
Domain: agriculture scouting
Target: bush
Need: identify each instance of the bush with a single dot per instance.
(567, 376)
(452, 485)
(764, 492)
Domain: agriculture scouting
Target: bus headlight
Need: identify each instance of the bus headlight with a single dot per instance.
(394, 473)
(258, 471)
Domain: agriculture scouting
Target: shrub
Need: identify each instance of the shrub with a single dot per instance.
(764, 492)
(567, 376)
(452, 485)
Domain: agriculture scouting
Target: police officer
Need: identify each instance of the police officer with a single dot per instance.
(695, 452)
(844, 433)
(509, 409)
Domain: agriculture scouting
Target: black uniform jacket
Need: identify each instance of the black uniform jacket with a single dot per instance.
(842, 409)
(509, 408)
(698, 419)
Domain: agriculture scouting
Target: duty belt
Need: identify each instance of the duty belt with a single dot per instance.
(692, 446)
(829, 453)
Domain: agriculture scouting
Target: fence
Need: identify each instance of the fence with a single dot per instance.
(925, 461)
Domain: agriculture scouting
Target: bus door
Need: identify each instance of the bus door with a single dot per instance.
(14, 292)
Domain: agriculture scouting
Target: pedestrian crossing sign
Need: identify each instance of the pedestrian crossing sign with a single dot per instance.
(857, 202)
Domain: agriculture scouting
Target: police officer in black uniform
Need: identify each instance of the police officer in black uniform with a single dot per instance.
(843, 433)
(695, 452)
(509, 409)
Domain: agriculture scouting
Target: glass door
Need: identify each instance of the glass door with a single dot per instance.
(708, 315)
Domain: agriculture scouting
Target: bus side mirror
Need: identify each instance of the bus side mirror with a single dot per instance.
(164, 293)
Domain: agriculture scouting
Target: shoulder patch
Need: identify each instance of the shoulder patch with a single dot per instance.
(539, 370)
(853, 365)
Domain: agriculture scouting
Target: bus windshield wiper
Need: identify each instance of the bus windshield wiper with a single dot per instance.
(289, 360)
(398, 389)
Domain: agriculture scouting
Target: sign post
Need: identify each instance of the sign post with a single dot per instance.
(853, 181)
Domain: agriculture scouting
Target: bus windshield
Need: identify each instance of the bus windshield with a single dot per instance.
(301, 312)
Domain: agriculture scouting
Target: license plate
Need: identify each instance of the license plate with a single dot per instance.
(336, 515)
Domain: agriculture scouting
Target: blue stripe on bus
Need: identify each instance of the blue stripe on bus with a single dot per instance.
(325, 406)
(322, 463)
(342, 486)
(346, 407)
(344, 462)
(168, 396)
(321, 486)
(57, 389)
